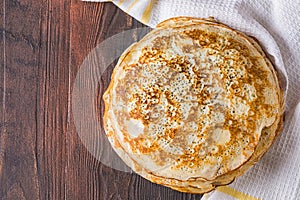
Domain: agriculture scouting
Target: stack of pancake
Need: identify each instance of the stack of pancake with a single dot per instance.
(193, 104)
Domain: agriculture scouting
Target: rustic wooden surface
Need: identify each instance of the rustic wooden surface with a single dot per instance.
(43, 44)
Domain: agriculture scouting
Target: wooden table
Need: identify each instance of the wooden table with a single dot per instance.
(43, 44)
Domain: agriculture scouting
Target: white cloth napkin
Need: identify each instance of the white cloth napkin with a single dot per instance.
(276, 24)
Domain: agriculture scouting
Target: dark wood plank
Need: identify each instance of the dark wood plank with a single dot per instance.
(36, 99)
(19, 168)
(43, 44)
(53, 97)
(2, 86)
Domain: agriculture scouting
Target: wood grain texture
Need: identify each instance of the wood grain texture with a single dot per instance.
(43, 44)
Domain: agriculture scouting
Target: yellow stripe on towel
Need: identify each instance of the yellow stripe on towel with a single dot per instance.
(131, 5)
(147, 13)
(120, 2)
(234, 193)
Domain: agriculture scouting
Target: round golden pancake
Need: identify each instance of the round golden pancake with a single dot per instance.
(193, 104)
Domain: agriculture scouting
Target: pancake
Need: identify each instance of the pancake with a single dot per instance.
(193, 104)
